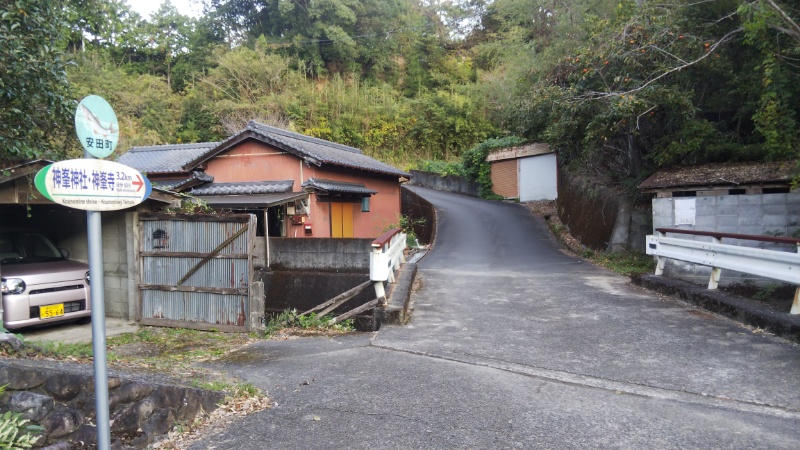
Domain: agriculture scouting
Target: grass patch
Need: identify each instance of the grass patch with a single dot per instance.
(290, 318)
(61, 350)
(627, 263)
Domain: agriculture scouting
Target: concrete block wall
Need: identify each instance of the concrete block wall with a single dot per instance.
(344, 255)
(115, 257)
(115, 264)
(67, 228)
(763, 214)
(449, 183)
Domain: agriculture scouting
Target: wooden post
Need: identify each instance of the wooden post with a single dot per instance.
(266, 235)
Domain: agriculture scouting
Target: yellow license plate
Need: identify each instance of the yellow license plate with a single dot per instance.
(46, 312)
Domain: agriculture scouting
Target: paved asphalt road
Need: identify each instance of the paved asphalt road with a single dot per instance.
(513, 344)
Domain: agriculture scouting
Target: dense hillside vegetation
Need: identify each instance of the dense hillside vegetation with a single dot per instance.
(618, 87)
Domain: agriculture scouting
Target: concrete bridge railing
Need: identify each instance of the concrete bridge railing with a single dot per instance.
(385, 258)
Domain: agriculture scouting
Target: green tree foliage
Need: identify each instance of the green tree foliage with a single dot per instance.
(35, 102)
(478, 169)
(619, 88)
(324, 36)
(627, 89)
(94, 23)
(149, 113)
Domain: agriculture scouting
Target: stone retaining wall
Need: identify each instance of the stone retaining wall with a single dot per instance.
(450, 183)
(599, 217)
(61, 400)
(422, 215)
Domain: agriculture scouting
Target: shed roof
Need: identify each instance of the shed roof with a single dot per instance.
(522, 151)
(313, 150)
(337, 187)
(720, 174)
(164, 159)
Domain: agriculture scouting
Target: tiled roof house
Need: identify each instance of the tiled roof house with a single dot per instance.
(308, 187)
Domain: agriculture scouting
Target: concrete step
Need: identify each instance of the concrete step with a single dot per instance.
(400, 306)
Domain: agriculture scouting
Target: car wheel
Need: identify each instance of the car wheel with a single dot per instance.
(84, 320)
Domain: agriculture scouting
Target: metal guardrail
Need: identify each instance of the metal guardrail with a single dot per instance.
(777, 265)
(385, 258)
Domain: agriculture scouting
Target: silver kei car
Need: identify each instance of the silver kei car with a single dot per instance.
(39, 284)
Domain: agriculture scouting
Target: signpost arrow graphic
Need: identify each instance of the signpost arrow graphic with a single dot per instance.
(139, 183)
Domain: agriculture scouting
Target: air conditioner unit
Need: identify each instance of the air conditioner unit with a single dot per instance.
(301, 206)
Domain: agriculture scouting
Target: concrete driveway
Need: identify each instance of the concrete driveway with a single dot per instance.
(73, 333)
(513, 344)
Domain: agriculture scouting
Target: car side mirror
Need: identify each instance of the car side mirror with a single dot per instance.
(64, 252)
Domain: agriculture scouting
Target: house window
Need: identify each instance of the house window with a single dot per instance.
(364, 204)
(160, 239)
(780, 190)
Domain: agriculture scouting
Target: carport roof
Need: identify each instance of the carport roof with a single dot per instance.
(162, 159)
(19, 169)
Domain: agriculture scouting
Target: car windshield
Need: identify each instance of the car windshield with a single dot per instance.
(25, 247)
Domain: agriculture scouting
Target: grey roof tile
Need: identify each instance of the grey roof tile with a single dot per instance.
(317, 151)
(165, 158)
(718, 174)
(339, 187)
(197, 178)
(244, 188)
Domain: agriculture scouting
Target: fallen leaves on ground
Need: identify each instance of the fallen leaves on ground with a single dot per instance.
(182, 437)
(549, 211)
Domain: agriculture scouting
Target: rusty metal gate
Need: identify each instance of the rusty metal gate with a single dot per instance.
(196, 270)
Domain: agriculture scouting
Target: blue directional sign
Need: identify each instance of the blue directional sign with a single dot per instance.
(97, 126)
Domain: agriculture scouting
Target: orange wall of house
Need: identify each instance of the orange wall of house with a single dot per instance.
(255, 161)
(384, 208)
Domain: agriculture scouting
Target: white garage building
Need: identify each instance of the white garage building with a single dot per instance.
(528, 172)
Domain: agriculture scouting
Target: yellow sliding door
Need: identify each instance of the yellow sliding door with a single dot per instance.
(341, 220)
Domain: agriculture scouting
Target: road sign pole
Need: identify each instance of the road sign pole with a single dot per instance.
(95, 237)
(95, 185)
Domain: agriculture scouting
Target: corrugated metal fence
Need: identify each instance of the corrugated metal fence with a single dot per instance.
(196, 270)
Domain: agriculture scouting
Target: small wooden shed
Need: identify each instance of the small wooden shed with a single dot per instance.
(528, 172)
